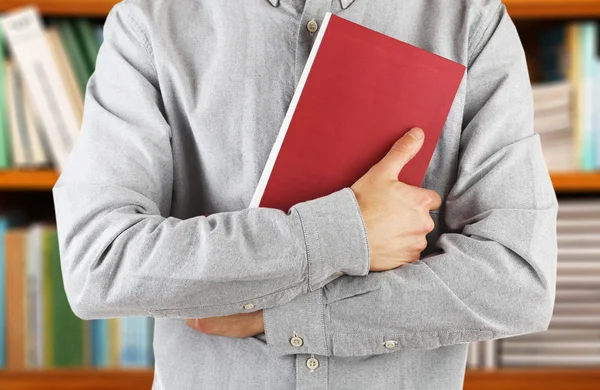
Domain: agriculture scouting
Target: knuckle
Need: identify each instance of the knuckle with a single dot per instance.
(204, 327)
(401, 147)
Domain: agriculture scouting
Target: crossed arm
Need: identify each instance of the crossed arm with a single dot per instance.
(491, 276)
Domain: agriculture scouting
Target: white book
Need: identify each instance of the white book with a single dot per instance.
(473, 355)
(571, 321)
(579, 207)
(37, 155)
(490, 354)
(30, 47)
(15, 117)
(35, 314)
(579, 281)
(548, 96)
(573, 253)
(557, 335)
(550, 122)
(535, 360)
(577, 295)
(556, 347)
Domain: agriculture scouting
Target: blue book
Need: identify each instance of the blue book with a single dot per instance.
(588, 40)
(3, 228)
(128, 343)
(100, 343)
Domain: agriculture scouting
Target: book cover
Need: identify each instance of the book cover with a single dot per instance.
(88, 41)
(76, 56)
(35, 324)
(588, 33)
(14, 245)
(5, 156)
(66, 71)
(15, 116)
(360, 91)
(574, 74)
(3, 277)
(36, 155)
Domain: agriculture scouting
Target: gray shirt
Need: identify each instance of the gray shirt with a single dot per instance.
(180, 116)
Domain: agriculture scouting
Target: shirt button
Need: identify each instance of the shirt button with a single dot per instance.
(391, 344)
(312, 363)
(248, 306)
(296, 341)
(312, 26)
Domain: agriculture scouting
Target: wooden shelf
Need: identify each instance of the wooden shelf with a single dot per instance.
(533, 379)
(27, 180)
(77, 380)
(45, 180)
(517, 8)
(576, 182)
(521, 379)
(555, 9)
(98, 8)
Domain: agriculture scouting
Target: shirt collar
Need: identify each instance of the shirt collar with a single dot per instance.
(345, 3)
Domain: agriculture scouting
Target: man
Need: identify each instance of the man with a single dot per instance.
(180, 116)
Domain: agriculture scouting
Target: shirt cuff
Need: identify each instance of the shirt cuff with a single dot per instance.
(335, 236)
(297, 327)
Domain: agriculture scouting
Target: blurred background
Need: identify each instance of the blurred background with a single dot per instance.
(44, 346)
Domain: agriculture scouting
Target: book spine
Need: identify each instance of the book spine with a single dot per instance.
(3, 277)
(5, 152)
(15, 298)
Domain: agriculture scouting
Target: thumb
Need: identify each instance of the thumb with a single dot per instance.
(402, 152)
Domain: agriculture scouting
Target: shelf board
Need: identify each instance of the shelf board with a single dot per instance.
(505, 379)
(97, 8)
(77, 380)
(27, 180)
(554, 9)
(533, 379)
(576, 182)
(516, 8)
(45, 180)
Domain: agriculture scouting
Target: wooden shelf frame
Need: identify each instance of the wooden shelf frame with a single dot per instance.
(15, 180)
(502, 379)
(532, 9)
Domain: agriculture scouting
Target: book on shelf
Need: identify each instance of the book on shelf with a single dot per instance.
(39, 122)
(373, 112)
(573, 337)
(41, 329)
(567, 99)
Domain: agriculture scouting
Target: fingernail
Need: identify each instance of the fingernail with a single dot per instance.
(416, 133)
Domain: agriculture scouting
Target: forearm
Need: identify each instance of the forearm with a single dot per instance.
(123, 258)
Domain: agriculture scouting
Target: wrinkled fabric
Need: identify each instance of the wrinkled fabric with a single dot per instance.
(180, 116)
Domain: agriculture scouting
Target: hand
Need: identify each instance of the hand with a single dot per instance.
(234, 326)
(396, 215)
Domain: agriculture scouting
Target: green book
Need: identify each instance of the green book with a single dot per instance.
(5, 149)
(77, 59)
(67, 329)
(47, 307)
(88, 41)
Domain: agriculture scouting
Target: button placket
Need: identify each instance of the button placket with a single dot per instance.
(312, 17)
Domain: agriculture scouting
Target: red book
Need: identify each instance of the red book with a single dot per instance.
(359, 93)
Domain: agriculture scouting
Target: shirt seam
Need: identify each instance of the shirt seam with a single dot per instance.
(140, 35)
(308, 256)
(363, 228)
(485, 25)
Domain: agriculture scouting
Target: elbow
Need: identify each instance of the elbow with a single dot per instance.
(82, 299)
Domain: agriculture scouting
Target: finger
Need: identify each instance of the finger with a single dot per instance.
(402, 152)
(436, 201)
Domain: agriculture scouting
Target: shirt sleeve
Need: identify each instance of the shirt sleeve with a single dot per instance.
(124, 255)
(493, 272)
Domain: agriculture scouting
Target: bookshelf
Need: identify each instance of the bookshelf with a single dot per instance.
(517, 8)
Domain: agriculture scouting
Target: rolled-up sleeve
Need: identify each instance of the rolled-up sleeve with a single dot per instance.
(493, 272)
(124, 255)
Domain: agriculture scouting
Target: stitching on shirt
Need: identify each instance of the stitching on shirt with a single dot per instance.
(321, 308)
(286, 289)
(308, 257)
(143, 40)
(364, 228)
(485, 23)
